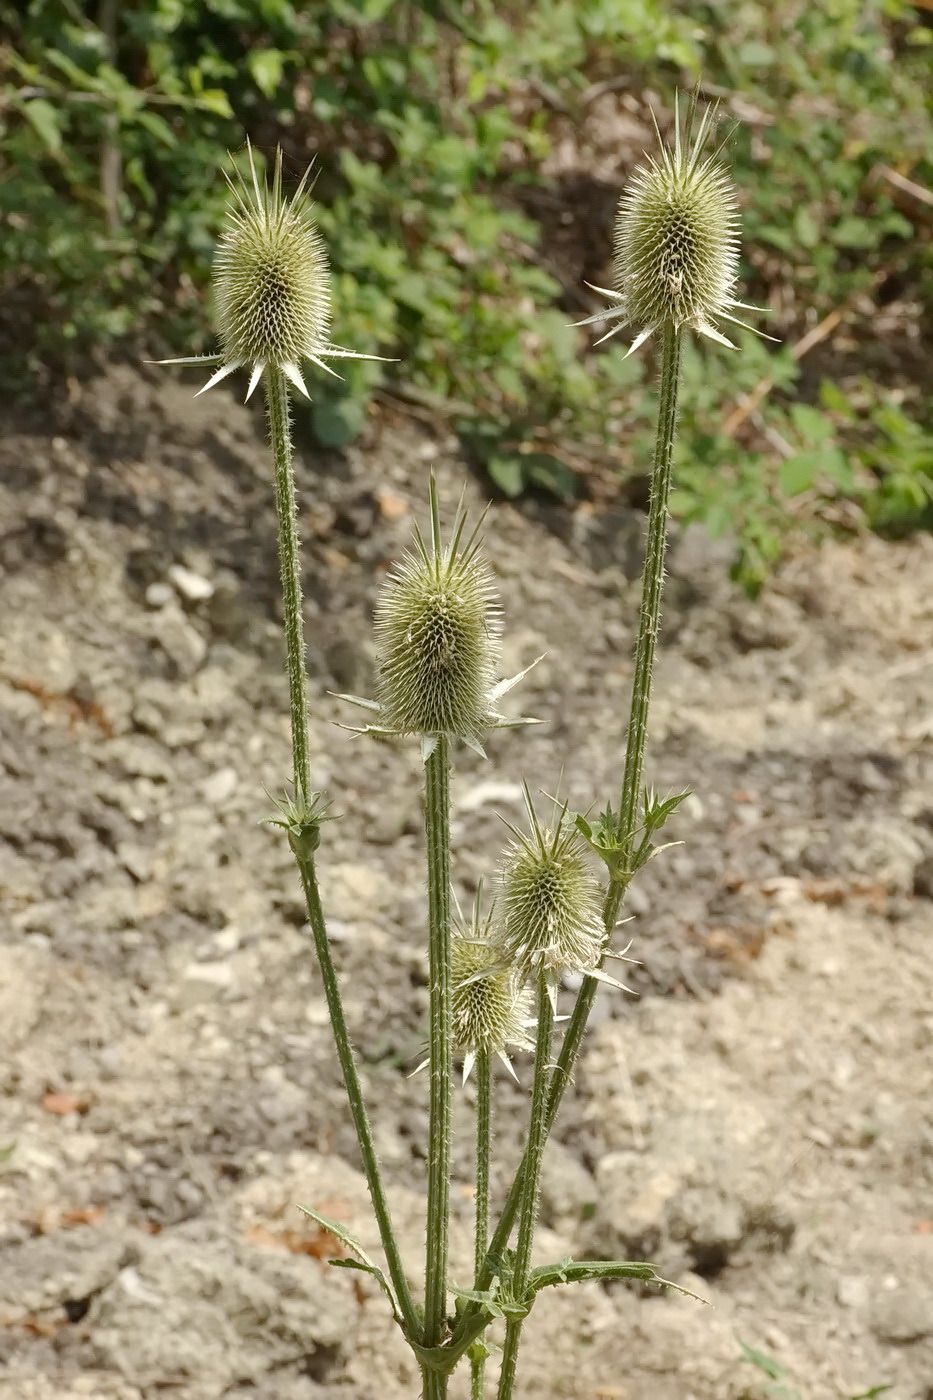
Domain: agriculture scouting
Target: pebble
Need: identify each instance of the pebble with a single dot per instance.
(182, 643)
(220, 785)
(486, 793)
(853, 1291)
(194, 588)
(203, 982)
(902, 1314)
(159, 595)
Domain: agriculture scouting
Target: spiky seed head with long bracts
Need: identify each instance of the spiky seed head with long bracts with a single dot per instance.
(491, 1010)
(271, 285)
(552, 919)
(438, 628)
(676, 241)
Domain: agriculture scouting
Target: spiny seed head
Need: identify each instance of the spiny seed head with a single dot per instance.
(490, 1009)
(676, 241)
(552, 903)
(271, 279)
(437, 628)
(271, 287)
(676, 238)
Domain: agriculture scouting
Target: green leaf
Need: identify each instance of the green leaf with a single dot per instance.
(658, 810)
(337, 421)
(796, 473)
(507, 474)
(833, 399)
(771, 1368)
(806, 227)
(486, 1300)
(362, 11)
(585, 1271)
(812, 425)
(362, 1260)
(551, 474)
(215, 100)
(156, 126)
(588, 1270)
(852, 232)
(44, 120)
(266, 66)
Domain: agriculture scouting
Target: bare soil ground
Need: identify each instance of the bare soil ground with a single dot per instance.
(758, 1121)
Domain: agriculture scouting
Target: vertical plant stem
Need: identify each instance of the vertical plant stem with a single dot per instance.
(483, 1137)
(355, 1095)
(280, 438)
(645, 647)
(652, 588)
(437, 831)
(531, 1181)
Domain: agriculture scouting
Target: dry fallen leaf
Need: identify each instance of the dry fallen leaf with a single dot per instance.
(62, 1104)
(320, 1244)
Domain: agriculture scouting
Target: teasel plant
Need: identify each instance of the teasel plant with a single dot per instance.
(495, 976)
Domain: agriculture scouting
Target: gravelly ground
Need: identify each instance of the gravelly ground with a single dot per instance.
(759, 1122)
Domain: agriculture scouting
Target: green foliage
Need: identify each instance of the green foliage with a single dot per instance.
(431, 124)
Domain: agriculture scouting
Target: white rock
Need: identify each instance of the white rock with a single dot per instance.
(218, 786)
(158, 595)
(203, 982)
(194, 587)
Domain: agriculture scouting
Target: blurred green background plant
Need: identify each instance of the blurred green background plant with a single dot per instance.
(469, 160)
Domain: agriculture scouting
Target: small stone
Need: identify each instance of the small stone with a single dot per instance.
(852, 1291)
(392, 507)
(203, 983)
(353, 893)
(23, 977)
(136, 859)
(194, 588)
(158, 595)
(902, 1314)
(182, 643)
(488, 793)
(568, 1190)
(923, 879)
(218, 786)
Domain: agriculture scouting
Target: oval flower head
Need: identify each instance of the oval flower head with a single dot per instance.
(552, 902)
(438, 627)
(491, 1011)
(271, 285)
(676, 242)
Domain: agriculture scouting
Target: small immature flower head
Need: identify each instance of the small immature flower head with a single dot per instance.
(676, 241)
(438, 626)
(552, 903)
(491, 1010)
